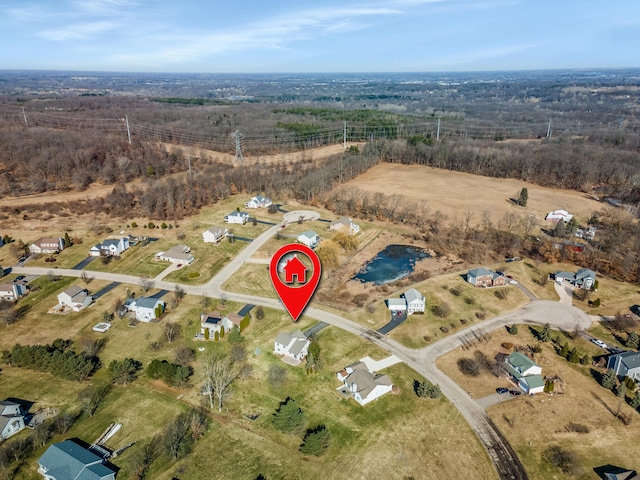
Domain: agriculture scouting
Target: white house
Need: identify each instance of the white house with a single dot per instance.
(75, 297)
(346, 225)
(176, 254)
(292, 345)
(145, 309)
(47, 245)
(415, 301)
(363, 385)
(214, 234)
(11, 419)
(258, 202)
(12, 291)
(215, 322)
(411, 301)
(525, 372)
(309, 238)
(110, 247)
(237, 217)
(558, 215)
(397, 304)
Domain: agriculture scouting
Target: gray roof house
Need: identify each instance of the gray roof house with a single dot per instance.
(345, 224)
(625, 364)
(363, 385)
(309, 238)
(69, 461)
(176, 254)
(415, 301)
(75, 297)
(110, 247)
(145, 309)
(483, 277)
(294, 345)
(11, 419)
(583, 278)
(237, 217)
(214, 234)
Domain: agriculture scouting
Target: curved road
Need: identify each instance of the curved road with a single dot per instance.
(423, 361)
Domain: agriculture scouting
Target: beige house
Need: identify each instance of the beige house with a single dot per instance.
(47, 245)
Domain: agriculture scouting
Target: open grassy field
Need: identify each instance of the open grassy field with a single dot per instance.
(383, 440)
(466, 304)
(531, 424)
(454, 193)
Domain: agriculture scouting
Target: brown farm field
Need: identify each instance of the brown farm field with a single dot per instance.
(454, 193)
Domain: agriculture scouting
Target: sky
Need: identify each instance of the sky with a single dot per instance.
(290, 36)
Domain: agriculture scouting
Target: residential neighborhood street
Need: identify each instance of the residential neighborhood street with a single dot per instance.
(423, 361)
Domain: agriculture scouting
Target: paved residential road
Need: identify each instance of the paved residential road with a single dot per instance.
(423, 361)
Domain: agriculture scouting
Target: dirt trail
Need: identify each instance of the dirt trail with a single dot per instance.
(100, 190)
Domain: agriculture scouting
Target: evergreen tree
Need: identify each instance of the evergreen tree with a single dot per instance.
(427, 389)
(545, 334)
(573, 356)
(124, 371)
(609, 380)
(633, 340)
(67, 240)
(289, 417)
(523, 198)
(316, 441)
(235, 336)
(513, 329)
(635, 401)
(564, 351)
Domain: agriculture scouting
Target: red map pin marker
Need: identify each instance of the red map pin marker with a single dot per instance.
(295, 298)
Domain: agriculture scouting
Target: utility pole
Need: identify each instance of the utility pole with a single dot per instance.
(237, 136)
(344, 135)
(438, 131)
(189, 163)
(549, 130)
(126, 118)
(24, 114)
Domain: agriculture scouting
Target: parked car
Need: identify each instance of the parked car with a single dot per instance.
(18, 278)
(599, 343)
(635, 309)
(515, 393)
(501, 390)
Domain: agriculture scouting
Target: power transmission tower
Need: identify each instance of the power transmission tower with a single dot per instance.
(237, 136)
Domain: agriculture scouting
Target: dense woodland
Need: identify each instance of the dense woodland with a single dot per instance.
(573, 131)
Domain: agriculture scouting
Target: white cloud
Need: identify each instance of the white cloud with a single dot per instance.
(79, 31)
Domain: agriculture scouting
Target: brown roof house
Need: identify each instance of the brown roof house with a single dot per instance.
(363, 385)
(47, 245)
(12, 291)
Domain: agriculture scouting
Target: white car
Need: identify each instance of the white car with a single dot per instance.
(600, 343)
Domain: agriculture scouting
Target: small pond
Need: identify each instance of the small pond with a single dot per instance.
(391, 264)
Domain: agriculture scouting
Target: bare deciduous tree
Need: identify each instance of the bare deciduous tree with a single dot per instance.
(146, 283)
(218, 374)
(171, 330)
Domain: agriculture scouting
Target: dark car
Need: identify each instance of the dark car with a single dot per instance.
(515, 393)
(636, 309)
(502, 390)
(18, 278)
